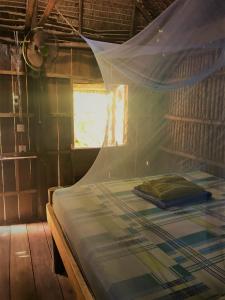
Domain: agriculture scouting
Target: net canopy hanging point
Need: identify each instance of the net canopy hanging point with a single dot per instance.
(174, 73)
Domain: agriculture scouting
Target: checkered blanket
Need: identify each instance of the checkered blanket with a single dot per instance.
(130, 249)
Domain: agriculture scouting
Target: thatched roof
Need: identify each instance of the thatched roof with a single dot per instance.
(114, 20)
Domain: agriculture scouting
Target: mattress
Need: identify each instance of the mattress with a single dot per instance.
(128, 248)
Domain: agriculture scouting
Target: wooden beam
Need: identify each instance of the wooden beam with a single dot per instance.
(31, 12)
(132, 29)
(195, 120)
(60, 44)
(12, 27)
(11, 13)
(77, 45)
(143, 11)
(194, 157)
(50, 6)
(55, 26)
(18, 21)
(80, 15)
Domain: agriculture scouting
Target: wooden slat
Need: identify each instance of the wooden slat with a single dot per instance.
(195, 120)
(12, 27)
(46, 281)
(80, 15)
(1, 209)
(31, 11)
(11, 207)
(132, 28)
(50, 6)
(4, 261)
(10, 13)
(26, 206)
(143, 11)
(11, 115)
(5, 21)
(194, 157)
(21, 274)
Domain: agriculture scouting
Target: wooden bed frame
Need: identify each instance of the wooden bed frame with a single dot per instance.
(73, 271)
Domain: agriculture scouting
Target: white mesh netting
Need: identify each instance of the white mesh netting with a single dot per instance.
(172, 70)
(175, 124)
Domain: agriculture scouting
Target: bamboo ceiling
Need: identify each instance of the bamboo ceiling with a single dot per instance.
(114, 20)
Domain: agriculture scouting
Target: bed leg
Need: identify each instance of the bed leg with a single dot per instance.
(58, 266)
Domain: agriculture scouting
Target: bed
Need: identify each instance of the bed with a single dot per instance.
(116, 245)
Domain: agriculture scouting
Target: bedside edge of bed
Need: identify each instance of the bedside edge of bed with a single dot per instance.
(74, 274)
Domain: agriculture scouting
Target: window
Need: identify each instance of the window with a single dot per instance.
(100, 116)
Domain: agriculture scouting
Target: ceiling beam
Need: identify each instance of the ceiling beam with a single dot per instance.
(48, 9)
(132, 28)
(143, 11)
(80, 15)
(31, 13)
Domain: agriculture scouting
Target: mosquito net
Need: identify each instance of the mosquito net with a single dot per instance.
(173, 70)
(174, 124)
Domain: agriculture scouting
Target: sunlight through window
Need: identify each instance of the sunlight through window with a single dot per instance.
(100, 116)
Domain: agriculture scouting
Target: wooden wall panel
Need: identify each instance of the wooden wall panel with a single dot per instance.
(28, 206)
(82, 63)
(60, 63)
(85, 66)
(60, 170)
(50, 101)
(82, 159)
(63, 62)
(32, 135)
(22, 137)
(196, 122)
(65, 133)
(6, 102)
(66, 173)
(11, 207)
(1, 210)
(64, 91)
(5, 57)
(52, 170)
(15, 63)
(8, 135)
(9, 176)
(47, 104)
(24, 94)
(51, 138)
(1, 179)
(57, 123)
(16, 132)
(18, 87)
(50, 67)
(27, 174)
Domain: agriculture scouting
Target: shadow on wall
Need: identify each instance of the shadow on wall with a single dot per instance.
(82, 160)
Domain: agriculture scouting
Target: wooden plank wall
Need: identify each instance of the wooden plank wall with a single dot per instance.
(196, 120)
(18, 191)
(47, 136)
(60, 162)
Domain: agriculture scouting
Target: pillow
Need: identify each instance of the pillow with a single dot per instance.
(171, 190)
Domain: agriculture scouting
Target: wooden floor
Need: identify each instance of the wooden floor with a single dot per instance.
(26, 266)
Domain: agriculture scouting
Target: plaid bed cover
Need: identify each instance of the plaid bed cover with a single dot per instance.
(130, 249)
